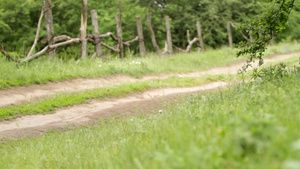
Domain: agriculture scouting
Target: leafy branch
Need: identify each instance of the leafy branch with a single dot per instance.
(262, 30)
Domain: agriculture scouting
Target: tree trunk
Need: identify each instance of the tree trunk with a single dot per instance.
(169, 36)
(188, 36)
(97, 34)
(200, 36)
(119, 30)
(229, 34)
(158, 51)
(141, 36)
(49, 25)
(83, 29)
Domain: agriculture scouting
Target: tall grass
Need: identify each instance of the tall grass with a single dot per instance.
(252, 125)
(44, 70)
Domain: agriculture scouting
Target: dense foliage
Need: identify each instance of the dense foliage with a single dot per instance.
(18, 19)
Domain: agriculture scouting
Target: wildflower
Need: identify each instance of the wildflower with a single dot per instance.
(220, 131)
(135, 62)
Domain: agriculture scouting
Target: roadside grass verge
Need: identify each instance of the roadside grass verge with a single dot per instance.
(251, 125)
(48, 105)
(43, 70)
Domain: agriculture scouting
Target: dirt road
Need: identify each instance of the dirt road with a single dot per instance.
(150, 101)
(17, 95)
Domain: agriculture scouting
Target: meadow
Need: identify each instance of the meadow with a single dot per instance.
(248, 125)
(50, 104)
(43, 70)
(251, 124)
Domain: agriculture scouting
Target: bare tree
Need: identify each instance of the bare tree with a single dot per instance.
(199, 31)
(141, 36)
(49, 25)
(229, 34)
(119, 30)
(83, 29)
(97, 34)
(169, 35)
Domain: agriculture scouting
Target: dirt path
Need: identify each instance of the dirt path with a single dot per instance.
(84, 114)
(17, 95)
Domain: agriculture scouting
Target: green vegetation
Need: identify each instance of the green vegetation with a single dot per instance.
(43, 71)
(252, 125)
(62, 100)
(19, 18)
(263, 29)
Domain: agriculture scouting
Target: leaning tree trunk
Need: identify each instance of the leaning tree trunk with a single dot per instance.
(158, 51)
(49, 25)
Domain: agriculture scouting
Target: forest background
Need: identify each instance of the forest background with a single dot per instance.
(19, 18)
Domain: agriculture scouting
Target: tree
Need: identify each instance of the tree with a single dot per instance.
(213, 16)
(263, 29)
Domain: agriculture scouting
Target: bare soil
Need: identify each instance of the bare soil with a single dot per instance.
(150, 101)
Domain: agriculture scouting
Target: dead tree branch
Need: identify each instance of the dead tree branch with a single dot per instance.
(165, 49)
(111, 48)
(40, 53)
(57, 39)
(50, 48)
(127, 43)
(6, 54)
(246, 37)
(178, 48)
(189, 47)
(37, 33)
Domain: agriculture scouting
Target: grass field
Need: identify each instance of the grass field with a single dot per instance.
(251, 125)
(48, 105)
(43, 70)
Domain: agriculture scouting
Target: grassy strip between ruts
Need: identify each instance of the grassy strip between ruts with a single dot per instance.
(62, 100)
(251, 125)
(42, 70)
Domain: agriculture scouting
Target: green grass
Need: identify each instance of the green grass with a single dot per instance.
(62, 100)
(251, 125)
(43, 70)
(48, 105)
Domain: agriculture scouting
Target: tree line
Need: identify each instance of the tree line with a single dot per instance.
(19, 18)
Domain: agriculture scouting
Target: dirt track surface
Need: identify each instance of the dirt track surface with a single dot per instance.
(83, 114)
(17, 95)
